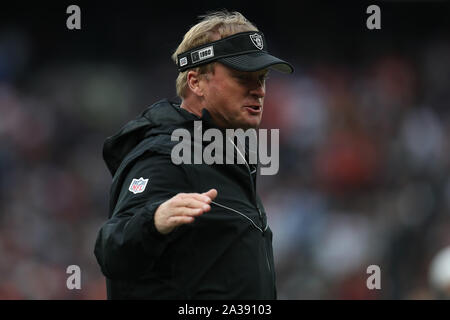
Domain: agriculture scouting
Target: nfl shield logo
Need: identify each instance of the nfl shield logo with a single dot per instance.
(257, 40)
(138, 185)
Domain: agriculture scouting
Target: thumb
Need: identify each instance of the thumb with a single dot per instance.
(212, 194)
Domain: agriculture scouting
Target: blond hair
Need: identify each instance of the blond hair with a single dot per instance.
(213, 26)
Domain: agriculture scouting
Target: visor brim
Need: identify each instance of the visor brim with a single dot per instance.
(256, 61)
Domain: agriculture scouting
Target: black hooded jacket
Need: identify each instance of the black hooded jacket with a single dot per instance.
(225, 253)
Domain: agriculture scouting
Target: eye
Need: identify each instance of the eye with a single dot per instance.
(247, 78)
(242, 77)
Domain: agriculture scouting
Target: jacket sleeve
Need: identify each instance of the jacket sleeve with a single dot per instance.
(128, 243)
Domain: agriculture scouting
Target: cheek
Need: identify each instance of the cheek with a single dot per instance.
(226, 98)
(234, 93)
(223, 94)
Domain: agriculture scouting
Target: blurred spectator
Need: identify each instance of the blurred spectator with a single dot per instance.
(439, 274)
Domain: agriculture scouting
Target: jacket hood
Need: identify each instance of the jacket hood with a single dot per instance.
(160, 118)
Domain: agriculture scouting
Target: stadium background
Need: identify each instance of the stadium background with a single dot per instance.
(364, 138)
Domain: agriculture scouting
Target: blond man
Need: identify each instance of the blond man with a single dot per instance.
(189, 230)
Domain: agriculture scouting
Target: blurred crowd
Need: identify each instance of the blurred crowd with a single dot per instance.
(363, 180)
(364, 176)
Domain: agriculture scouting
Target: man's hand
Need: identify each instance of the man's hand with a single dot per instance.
(181, 209)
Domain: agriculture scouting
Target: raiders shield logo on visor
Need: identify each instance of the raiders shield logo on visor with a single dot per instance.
(257, 41)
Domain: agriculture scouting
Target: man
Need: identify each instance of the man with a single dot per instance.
(192, 231)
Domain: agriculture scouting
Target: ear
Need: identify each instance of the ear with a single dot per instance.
(193, 81)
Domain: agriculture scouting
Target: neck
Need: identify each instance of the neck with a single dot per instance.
(197, 110)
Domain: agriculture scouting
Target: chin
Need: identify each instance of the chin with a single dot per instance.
(251, 125)
(243, 123)
(255, 124)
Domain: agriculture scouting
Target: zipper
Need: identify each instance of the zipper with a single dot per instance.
(252, 188)
(262, 229)
(267, 257)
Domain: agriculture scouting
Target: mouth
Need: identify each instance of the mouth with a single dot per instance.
(254, 109)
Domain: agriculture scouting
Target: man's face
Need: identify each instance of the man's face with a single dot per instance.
(234, 98)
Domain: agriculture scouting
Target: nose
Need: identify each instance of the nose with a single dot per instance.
(258, 91)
